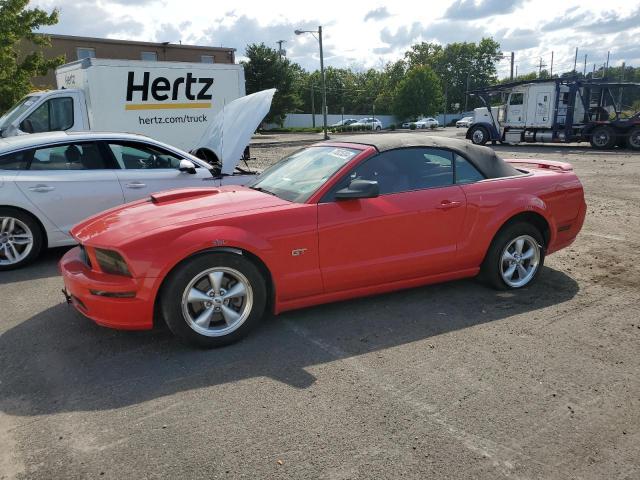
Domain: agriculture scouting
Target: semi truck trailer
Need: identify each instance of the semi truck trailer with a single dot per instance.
(560, 110)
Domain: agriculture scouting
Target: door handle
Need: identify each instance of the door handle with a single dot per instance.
(448, 204)
(40, 188)
(136, 185)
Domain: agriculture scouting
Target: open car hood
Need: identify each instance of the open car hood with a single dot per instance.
(231, 129)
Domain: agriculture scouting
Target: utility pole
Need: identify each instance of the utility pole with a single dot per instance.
(551, 72)
(466, 95)
(281, 52)
(540, 67)
(620, 94)
(584, 72)
(313, 108)
(513, 56)
(606, 68)
(324, 86)
(575, 62)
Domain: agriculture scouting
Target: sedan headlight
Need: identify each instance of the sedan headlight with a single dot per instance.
(111, 262)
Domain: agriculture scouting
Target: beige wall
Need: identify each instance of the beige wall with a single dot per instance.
(124, 50)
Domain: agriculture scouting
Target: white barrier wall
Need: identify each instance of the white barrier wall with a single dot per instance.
(304, 120)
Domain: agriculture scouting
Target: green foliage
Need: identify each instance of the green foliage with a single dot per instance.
(392, 127)
(412, 126)
(419, 93)
(458, 65)
(265, 69)
(17, 24)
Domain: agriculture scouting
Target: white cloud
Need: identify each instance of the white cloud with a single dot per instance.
(367, 34)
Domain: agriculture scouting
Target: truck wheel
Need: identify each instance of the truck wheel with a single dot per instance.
(479, 135)
(603, 138)
(633, 140)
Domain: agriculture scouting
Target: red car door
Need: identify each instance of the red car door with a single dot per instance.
(409, 231)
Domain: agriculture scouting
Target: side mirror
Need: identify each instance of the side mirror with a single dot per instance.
(359, 189)
(187, 166)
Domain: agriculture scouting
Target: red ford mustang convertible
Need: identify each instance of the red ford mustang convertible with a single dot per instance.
(367, 215)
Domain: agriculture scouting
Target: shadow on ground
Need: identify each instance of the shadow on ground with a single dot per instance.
(58, 361)
(43, 267)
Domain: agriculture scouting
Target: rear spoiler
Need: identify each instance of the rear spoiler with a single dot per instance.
(548, 164)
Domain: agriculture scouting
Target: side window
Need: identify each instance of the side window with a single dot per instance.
(76, 156)
(134, 156)
(465, 172)
(516, 99)
(53, 115)
(406, 169)
(14, 161)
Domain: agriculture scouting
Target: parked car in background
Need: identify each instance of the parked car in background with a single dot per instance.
(51, 181)
(371, 123)
(338, 220)
(427, 122)
(464, 122)
(345, 122)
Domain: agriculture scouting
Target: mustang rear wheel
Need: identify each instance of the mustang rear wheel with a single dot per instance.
(20, 239)
(213, 299)
(515, 257)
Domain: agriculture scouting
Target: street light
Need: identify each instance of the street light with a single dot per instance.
(324, 87)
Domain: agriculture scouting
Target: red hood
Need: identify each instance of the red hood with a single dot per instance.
(172, 207)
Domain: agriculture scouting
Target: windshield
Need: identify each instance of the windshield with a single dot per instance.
(18, 109)
(297, 176)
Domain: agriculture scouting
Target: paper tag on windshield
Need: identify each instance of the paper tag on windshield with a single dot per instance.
(342, 153)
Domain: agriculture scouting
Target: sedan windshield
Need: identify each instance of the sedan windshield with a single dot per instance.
(297, 176)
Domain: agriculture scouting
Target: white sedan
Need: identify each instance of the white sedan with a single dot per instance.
(51, 181)
(369, 123)
(464, 122)
(427, 122)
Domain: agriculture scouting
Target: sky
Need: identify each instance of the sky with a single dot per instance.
(368, 34)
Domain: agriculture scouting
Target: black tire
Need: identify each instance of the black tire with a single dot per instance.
(174, 288)
(378, 128)
(491, 267)
(633, 138)
(25, 224)
(603, 138)
(479, 135)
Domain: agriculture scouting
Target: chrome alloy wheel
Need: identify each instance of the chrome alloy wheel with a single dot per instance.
(217, 301)
(478, 136)
(519, 261)
(16, 240)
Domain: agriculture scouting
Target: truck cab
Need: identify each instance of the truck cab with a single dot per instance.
(46, 111)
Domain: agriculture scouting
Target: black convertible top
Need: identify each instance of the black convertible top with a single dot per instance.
(483, 158)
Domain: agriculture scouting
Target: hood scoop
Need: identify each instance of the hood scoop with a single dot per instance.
(182, 194)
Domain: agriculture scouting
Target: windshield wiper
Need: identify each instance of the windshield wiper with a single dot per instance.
(263, 190)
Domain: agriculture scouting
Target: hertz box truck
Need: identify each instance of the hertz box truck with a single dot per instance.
(170, 101)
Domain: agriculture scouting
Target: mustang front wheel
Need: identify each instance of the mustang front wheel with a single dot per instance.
(515, 257)
(213, 299)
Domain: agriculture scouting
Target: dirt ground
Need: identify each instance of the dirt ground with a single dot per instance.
(451, 381)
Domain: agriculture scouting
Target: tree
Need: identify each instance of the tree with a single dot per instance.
(419, 93)
(17, 24)
(458, 65)
(266, 69)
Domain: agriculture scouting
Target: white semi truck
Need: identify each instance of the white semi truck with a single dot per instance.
(174, 102)
(558, 110)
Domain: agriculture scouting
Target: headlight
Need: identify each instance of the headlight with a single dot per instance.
(111, 262)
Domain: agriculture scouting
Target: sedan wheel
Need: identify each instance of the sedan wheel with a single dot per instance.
(213, 299)
(20, 239)
(519, 261)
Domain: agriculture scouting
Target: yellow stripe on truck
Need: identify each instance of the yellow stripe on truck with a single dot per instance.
(167, 106)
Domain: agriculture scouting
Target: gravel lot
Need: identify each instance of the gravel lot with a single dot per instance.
(447, 381)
